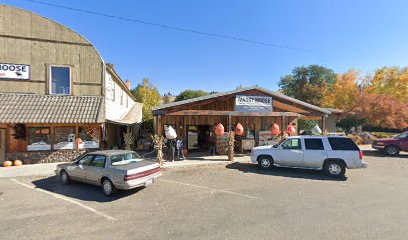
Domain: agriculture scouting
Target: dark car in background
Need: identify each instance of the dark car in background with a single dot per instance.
(392, 146)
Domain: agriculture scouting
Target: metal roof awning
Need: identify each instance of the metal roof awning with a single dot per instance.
(133, 116)
(52, 109)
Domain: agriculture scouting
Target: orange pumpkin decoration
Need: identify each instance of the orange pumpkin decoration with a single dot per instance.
(17, 163)
(275, 129)
(291, 130)
(239, 129)
(7, 164)
(219, 129)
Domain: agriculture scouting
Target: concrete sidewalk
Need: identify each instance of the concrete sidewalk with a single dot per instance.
(47, 169)
(194, 159)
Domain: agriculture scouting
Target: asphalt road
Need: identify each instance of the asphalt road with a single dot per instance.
(235, 201)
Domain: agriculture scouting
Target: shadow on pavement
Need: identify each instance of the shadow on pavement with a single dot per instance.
(283, 172)
(375, 153)
(80, 191)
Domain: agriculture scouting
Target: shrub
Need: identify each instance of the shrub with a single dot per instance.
(357, 139)
(350, 122)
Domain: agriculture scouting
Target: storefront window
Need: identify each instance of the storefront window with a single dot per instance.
(38, 139)
(250, 132)
(64, 138)
(88, 137)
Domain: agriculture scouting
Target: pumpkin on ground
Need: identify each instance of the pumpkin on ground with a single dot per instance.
(7, 164)
(17, 163)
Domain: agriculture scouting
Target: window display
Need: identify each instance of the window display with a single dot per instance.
(88, 137)
(64, 138)
(38, 139)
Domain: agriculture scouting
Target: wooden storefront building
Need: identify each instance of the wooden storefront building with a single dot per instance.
(58, 97)
(256, 108)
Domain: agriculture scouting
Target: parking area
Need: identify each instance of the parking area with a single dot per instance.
(231, 201)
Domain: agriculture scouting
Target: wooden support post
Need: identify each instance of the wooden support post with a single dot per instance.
(185, 136)
(52, 132)
(76, 138)
(323, 124)
(229, 122)
(159, 125)
(283, 125)
(101, 128)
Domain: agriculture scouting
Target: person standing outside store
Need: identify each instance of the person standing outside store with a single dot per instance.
(180, 148)
(172, 149)
(212, 144)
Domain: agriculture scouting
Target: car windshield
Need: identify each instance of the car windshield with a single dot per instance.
(401, 136)
(126, 158)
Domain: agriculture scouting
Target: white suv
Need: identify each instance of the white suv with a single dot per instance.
(333, 154)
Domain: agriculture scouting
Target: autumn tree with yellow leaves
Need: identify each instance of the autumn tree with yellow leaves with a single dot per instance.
(345, 91)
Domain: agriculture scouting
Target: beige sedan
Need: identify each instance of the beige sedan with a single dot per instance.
(111, 169)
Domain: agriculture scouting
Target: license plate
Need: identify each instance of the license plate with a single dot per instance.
(149, 182)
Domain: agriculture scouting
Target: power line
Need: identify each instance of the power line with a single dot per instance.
(168, 26)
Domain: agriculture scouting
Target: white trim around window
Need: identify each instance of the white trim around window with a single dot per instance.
(62, 90)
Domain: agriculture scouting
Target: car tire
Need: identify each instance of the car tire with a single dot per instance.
(335, 169)
(107, 187)
(64, 177)
(392, 150)
(265, 162)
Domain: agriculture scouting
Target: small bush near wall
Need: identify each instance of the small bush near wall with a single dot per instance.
(46, 156)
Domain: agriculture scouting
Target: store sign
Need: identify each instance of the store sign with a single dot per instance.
(15, 71)
(253, 103)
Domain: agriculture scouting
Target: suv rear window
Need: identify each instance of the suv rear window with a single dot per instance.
(314, 144)
(342, 144)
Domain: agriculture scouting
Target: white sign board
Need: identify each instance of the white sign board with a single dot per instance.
(244, 103)
(15, 71)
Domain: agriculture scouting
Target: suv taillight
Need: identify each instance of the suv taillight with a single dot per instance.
(361, 155)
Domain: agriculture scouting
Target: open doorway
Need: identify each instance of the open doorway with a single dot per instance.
(198, 137)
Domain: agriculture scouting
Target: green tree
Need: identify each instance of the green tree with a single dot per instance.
(189, 94)
(168, 98)
(147, 94)
(310, 84)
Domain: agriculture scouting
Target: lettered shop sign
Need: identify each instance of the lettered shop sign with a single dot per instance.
(245, 103)
(15, 71)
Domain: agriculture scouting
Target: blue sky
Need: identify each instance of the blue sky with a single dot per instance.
(338, 34)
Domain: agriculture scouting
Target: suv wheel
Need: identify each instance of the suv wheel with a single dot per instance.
(335, 168)
(392, 150)
(64, 177)
(265, 162)
(108, 188)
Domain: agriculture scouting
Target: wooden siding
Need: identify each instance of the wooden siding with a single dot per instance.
(27, 38)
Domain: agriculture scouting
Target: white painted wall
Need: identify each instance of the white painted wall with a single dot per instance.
(115, 108)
